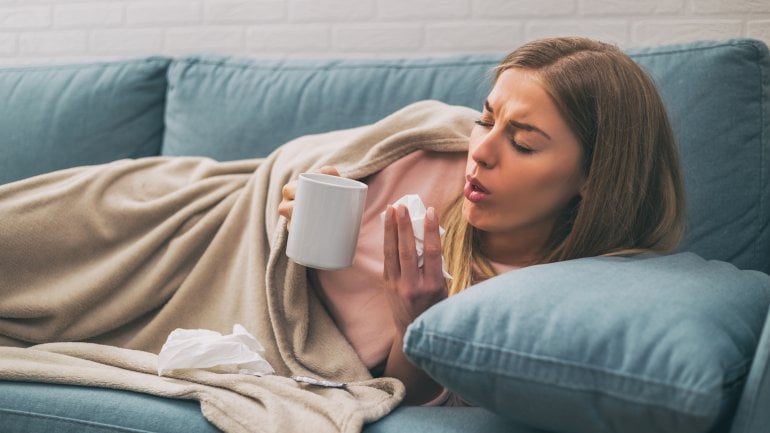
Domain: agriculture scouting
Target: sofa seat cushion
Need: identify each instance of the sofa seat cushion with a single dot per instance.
(43, 407)
(38, 407)
(659, 344)
(61, 116)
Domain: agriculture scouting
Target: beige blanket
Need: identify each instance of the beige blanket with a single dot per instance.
(103, 262)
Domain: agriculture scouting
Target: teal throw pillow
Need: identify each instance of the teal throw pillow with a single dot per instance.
(641, 344)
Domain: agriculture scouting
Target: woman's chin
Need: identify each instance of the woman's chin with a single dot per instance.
(474, 216)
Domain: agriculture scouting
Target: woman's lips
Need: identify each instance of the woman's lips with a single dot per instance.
(474, 191)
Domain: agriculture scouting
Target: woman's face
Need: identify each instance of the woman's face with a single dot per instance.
(524, 162)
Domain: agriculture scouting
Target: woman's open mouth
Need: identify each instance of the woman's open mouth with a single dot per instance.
(474, 191)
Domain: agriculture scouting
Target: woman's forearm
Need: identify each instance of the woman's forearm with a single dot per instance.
(420, 388)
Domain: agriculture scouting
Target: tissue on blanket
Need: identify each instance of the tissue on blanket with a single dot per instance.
(238, 352)
(417, 212)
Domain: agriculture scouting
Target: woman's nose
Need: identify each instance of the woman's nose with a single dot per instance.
(484, 150)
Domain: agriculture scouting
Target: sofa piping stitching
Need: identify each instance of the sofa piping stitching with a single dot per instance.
(94, 65)
(762, 144)
(734, 43)
(188, 62)
(555, 361)
(611, 393)
(72, 421)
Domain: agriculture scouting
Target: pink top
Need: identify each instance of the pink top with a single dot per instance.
(354, 296)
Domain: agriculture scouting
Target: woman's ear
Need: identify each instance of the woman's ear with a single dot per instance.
(582, 185)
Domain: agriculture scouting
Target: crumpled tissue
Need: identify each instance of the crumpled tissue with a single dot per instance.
(238, 352)
(417, 211)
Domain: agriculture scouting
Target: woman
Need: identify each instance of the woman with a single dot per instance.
(573, 156)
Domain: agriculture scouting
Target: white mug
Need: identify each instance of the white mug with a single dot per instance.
(326, 221)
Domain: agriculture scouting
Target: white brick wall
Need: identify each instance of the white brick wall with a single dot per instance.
(33, 31)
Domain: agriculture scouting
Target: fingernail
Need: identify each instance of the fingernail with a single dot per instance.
(431, 214)
(402, 211)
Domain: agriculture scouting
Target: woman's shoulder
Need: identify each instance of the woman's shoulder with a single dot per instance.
(437, 177)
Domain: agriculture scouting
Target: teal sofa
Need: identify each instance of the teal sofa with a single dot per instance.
(677, 343)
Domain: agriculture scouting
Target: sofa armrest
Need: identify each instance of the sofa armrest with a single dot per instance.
(752, 414)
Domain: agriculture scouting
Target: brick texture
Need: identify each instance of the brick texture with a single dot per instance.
(127, 41)
(33, 31)
(288, 39)
(88, 15)
(524, 8)
(631, 7)
(244, 11)
(25, 17)
(474, 37)
(53, 42)
(759, 30)
(612, 30)
(423, 9)
(731, 6)
(377, 37)
(661, 32)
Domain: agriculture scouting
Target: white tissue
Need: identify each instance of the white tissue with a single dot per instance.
(238, 352)
(417, 213)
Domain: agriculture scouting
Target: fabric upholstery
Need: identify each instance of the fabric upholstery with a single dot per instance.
(718, 97)
(752, 415)
(658, 344)
(55, 117)
(27, 407)
(43, 407)
(230, 108)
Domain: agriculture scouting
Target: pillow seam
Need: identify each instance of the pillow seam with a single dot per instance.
(485, 347)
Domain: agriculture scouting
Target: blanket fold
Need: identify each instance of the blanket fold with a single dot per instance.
(99, 264)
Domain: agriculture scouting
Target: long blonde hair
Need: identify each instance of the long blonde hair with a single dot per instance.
(633, 197)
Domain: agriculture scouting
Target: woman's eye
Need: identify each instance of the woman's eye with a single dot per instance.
(522, 149)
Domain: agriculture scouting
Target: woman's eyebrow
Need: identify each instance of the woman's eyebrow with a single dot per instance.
(520, 125)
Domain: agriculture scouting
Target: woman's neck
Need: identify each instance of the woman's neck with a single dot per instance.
(513, 249)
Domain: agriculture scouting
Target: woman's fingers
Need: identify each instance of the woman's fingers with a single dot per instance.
(392, 267)
(286, 206)
(407, 249)
(399, 245)
(289, 193)
(328, 169)
(432, 249)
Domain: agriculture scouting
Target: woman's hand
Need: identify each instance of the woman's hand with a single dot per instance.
(411, 290)
(289, 192)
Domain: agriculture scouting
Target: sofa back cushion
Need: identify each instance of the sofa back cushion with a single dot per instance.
(231, 108)
(60, 116)
(55, 116)
(718, 97)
